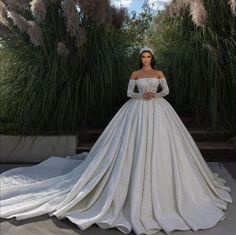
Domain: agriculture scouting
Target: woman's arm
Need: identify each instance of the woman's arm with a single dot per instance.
(131, 85)
(164, 86)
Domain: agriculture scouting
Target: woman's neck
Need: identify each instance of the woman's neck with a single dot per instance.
(147, 68)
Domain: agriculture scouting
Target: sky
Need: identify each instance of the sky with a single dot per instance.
(137, 4)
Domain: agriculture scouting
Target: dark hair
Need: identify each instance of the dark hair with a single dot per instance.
(153, 62)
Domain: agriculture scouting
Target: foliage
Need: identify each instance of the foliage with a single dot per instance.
(63, 84)
(201, 63)
(137, 25)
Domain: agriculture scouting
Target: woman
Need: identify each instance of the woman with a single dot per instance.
(144, 172)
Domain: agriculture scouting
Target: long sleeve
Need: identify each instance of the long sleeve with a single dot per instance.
(165, 88)
(130, 90)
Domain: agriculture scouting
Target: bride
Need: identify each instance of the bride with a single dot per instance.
(144, 173)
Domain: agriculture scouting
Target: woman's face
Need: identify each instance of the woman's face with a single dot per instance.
(146, 58)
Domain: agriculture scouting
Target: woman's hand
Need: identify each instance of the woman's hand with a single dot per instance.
(148, 95)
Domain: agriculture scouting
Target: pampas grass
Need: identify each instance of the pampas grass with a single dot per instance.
(3, 19)
(72, 18)
(17, 5)
(176, 7)
(18, 21)
(3, 11)
(180, 7)
(201, 62)
(35, 33)
(232, 4)
(51, 83)
(62, 50)
(38, 9)
(24, 12)
(100, 11)
(198, 12)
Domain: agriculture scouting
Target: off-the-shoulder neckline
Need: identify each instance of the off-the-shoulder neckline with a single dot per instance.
(153, 78)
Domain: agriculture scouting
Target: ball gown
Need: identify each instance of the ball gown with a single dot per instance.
(144, 173)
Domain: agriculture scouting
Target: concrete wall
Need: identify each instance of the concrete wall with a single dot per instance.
(33, 149)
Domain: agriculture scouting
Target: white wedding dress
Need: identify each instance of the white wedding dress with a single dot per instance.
(144, 172)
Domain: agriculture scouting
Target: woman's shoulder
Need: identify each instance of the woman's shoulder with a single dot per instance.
(134, 74)
(159, 74)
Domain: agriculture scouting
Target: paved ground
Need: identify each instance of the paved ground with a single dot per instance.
(231, 168)
(45, 225)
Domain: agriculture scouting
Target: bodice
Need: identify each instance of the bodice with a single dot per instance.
(147, 84)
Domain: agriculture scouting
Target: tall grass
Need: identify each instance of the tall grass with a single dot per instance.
(44, 90)
(201, 64)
